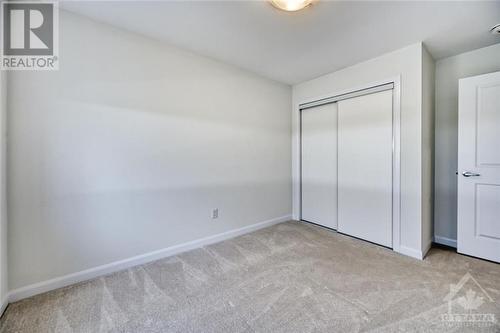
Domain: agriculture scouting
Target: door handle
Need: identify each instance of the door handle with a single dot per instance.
(470, 174)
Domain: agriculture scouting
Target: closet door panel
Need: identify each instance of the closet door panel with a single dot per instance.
(365, 167)
(319, 165)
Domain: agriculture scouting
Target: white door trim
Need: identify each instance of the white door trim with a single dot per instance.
(396, 148)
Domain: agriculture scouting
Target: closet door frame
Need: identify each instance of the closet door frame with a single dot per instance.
(396, 141)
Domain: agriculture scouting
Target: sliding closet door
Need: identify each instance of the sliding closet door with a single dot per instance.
(319, 165)
(365, 167)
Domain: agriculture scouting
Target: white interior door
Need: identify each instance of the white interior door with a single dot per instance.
(319, 165)
(365, 167)
(479, 166)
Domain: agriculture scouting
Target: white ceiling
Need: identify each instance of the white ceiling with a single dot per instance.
(294, 47)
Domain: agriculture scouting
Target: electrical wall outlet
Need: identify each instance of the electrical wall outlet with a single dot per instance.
(215, 213)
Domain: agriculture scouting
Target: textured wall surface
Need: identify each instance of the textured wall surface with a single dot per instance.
(128, 147)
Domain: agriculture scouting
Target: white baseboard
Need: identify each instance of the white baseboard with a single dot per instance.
(445, 241)
(414, 253)
(427, 248)
(66, 280)
(408, 251)
(3, 304)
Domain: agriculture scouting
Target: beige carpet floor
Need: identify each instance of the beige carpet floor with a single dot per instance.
(292, 277)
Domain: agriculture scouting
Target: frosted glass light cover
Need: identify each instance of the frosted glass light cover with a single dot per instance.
(291, 5)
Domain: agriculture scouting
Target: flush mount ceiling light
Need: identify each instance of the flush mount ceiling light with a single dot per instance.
(291, 5)
(495, 30)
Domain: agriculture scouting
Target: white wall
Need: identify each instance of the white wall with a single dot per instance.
(3, 193)
(407, 63)
(428, 115)
(448, 71)
(128, 147)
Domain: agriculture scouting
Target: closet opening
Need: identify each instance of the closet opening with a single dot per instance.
(350, 163)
